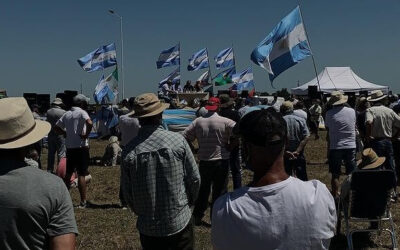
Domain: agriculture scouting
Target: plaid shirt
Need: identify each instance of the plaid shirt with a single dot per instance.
(160, 180)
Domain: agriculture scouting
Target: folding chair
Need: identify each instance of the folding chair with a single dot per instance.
(369, 201)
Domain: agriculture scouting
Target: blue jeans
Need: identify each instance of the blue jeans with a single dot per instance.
(337, 156)
(383, 147)
(55, 144)
(297, 167)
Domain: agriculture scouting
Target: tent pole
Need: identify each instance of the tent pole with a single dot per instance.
(309, 44)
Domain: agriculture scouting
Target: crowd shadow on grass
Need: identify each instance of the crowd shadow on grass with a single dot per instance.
(361, 240)
(92, 205)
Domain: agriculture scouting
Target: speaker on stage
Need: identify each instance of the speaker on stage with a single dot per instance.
(69, 95)
(31, 98)
(244, 94)
(43, 100)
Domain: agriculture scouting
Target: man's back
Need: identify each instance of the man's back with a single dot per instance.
(212, 133)
(291, 214)
(384, 119)
(74, 123)
(341, 122)
(53, 115)
(34, 205)
(156, 165)
(297, 131)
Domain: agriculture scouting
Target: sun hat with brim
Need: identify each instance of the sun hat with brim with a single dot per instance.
(213, 104)
(147, 105)
(376, 95)
(337, 98)
(226, 101)
(18, 128)
(370, 160)
(57, 101)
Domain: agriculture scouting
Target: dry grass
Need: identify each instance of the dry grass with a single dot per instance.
(106, 226)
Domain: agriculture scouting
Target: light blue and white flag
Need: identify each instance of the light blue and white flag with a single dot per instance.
(284, 47)
(175, 76)
(225, 58)
(199, 60)
(244, 79)
(169, 57)
(100, 58)
(103, 92)
(204, 77)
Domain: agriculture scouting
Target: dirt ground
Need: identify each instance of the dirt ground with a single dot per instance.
(104, 225)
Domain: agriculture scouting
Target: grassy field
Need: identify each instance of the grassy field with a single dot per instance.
(106, 226)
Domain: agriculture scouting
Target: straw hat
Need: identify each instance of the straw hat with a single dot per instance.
(226, 101)
(286, 107)
(376, 95)
(57, 101)
(147, 105)
(370, 160)
(337, 98)
(17, 126)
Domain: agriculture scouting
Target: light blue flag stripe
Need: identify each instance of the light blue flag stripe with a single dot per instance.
(101, 58)
(225, 58)
(284, 47)
(169, 57)
(243, 80)
(174, 76)
(199, 60)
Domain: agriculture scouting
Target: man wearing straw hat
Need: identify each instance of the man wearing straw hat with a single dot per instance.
(36, 210)
(55, 142)
(380, 121)
(340, 122)
(160, 179)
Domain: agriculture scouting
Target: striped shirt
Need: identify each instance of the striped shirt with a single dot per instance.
(212, 133)
(160, 180)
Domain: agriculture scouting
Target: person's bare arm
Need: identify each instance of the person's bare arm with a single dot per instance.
(301, 146)
(89, 126)
(59, 130)
(62, 242)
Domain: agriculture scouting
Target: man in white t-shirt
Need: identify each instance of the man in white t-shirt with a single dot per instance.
(340, 121)
(275, 211)
(76, 125)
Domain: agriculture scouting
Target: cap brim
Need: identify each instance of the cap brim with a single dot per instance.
(211, 108)
(344, 99)
(376, 164)
(163, 107)
(41, 129)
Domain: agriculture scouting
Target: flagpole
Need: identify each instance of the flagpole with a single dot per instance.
(309, 44)
(180, 76)
(209, 71)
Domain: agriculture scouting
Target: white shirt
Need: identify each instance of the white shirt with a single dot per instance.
(129, 128)
(291, 214)
(164, 89)
(341, 122)
(74, 123)
(300, 113)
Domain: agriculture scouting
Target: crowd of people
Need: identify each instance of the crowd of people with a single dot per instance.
(167, 177)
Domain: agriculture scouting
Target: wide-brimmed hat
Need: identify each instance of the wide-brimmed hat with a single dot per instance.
(57, 101)
(226, 101)
(376, 95)
(286, 107)
(147, 105)
(337, 98)
(212, 104)
(18, 128)
(369, 159)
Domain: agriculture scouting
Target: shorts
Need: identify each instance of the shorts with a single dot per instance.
(337, 156)
(78, 159)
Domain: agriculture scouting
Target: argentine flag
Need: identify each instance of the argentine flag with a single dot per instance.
(103, 92)
(284, 47)
(225, 58)
(175, 76)
(169, 57)
(204, 77)
(199, 60)
(100, 58)
(243, 80)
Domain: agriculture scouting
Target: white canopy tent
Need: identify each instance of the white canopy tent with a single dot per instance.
(339, 78)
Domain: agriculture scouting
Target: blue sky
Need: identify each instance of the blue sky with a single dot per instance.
(41, 40)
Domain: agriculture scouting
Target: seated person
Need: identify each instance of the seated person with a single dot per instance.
(165, 90)
(369, 161)
(197, 87)
(188, 87)
(112, 154)
(275, 211)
